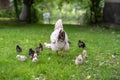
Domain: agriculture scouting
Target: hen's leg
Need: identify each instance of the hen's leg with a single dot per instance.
(57, 52)
(63, 50)
(62, 55)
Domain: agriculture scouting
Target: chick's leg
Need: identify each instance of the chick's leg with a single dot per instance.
(57, 52)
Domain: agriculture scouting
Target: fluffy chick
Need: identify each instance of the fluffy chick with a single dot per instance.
(18, 48)
(39, 48)
(79, 60)
(21, 57)
(35, 58)
(31, 53)
(84, 54)
(81, 44)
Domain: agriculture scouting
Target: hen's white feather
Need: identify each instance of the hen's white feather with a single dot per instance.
(47, 45)
(55, 44)
(58, 25)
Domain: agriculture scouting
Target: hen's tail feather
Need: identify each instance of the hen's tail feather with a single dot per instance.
(47, 45)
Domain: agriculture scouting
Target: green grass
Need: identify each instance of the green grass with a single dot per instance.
(101, 45)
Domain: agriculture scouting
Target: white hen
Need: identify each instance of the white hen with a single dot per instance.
(59, 38)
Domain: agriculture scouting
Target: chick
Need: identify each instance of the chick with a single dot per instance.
(81, 44)
(35, 58)
(79, 60)
(18, 48)
(84, 54)
(31, 53)
(39, 48)
(21, 57)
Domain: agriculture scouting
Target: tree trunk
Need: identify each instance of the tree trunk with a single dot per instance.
(111, 12)
(4, 4)
(16, 9)
(25, 14)
(95, 11)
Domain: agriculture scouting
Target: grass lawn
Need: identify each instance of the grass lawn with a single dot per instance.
(103, 47)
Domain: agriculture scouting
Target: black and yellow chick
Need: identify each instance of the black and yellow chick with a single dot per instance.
(39, 48)
(81, 44)
(31, 53)
(18, 48)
